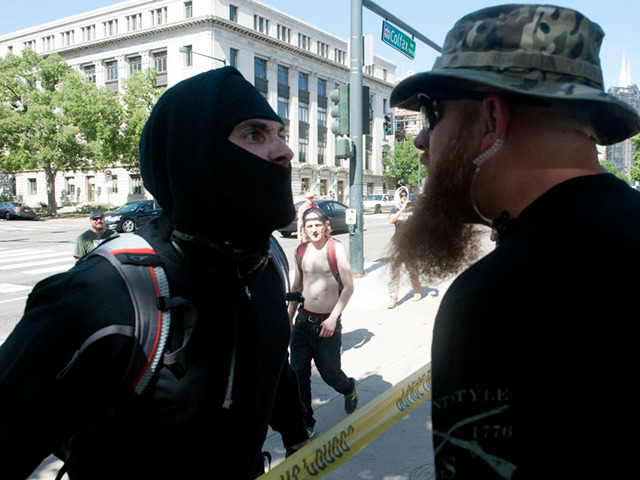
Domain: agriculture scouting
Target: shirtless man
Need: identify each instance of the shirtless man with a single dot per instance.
(317, 333)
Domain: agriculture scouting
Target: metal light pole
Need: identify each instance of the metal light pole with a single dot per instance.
(186, 49)
(356, 247)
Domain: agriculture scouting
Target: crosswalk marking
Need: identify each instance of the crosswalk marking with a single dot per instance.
(15, 266)
(45, 254)
(12, 288)
(54, 269)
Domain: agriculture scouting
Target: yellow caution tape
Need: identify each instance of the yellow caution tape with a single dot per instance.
(349, 437)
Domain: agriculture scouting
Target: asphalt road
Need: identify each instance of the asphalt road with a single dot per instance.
(32, 250)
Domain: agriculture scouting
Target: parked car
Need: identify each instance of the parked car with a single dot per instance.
(377, 203)
(334, 210)
(14, 210)
(131, 216)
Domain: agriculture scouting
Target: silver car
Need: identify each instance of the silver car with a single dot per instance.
(378, 203)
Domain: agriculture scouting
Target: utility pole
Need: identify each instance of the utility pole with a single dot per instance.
(356, 128)
(356, 244)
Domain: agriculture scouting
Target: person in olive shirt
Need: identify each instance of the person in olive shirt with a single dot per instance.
(97, 233)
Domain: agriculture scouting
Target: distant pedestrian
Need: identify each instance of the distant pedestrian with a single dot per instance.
(317, 332)
(98, 232)
(308, 203)
(398, 215)
(534, 356)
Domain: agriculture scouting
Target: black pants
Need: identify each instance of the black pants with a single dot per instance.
(306, 345)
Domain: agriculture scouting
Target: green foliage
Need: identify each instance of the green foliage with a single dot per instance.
(53, 119)
(140, 95)
(403, 165)
(635, 168)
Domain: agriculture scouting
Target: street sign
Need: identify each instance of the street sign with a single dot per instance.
(107, 174)
(399, 40)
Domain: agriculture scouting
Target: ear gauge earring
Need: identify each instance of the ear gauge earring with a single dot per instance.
(478, 161)
(490, 152)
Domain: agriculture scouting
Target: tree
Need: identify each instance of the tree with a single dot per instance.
(52, 119)
(635, 168)
(403, 164)
(140, 95)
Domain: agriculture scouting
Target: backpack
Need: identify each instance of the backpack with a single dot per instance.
(140, 267)
(331, 259)
(141, 270)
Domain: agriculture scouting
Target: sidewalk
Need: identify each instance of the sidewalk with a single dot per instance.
(380, 348)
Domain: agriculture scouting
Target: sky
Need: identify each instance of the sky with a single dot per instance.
(620, 20)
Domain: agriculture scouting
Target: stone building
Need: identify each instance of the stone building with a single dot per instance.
(294, 64)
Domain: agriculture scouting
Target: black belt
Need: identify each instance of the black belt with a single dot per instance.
(308, 318)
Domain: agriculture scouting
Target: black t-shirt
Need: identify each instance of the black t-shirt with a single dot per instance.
(533, 353)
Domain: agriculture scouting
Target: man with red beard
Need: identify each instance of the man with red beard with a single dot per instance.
(513, 110)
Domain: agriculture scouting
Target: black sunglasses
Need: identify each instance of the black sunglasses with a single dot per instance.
(96, 219)
(430, 110)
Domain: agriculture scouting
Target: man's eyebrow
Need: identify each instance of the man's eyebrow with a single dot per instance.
(260, 125)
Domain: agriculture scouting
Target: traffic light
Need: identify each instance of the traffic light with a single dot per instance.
(340, 110)
(388, 123)
(366, 111)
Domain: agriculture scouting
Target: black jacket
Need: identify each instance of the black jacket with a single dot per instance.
(177, 429)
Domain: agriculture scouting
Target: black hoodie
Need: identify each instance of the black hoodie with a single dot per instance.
(178, 429)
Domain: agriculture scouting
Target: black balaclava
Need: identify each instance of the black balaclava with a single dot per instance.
(207, 186)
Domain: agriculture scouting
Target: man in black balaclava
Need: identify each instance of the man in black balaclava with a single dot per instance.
(209, 139)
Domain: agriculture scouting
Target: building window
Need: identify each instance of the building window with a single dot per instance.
(304, 41)
(135, 64)
(322, 150)
(283, 108)
(303, 145)
(160, 62)
(322, 116)
(32, 186)
(260, 68)
(283, 75)
(136, 185)
(159, 16)
(111, 71)
(48, 43)
(233, 57)
(233, 13)
(323, 49)
(260, 75)
(89, 72)
(284, 33)
(305, 184)
(134, 22)
(188, 9)
(339, 55)
(113, 184)
(110, 28)
(303, 82)
(261, 24)
(30, 44)
(88, 33)
(67, 38)
(322, 87)
(303, 112)
(187, 56)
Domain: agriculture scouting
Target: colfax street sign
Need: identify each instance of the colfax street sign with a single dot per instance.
(399, 40)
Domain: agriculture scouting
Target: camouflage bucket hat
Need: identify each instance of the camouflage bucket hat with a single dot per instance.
(533, 50)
